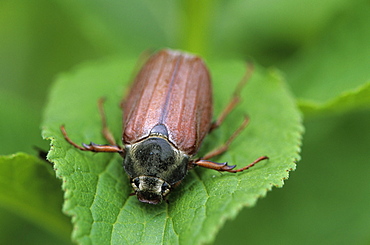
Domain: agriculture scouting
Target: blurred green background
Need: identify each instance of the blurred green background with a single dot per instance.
(322, 47)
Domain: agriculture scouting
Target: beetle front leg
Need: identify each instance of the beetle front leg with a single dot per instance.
(224, 166)
(92, 147)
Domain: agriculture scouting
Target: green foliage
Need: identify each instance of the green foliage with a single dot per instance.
(358, 98)
(322, 49)
(325, 200)
(29, 188)
(15, 133)
(331, 82)
(97, 189)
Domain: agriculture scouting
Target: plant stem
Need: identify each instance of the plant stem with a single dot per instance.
(197, 21)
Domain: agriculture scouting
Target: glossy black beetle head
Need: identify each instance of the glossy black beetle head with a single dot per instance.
(154, 165)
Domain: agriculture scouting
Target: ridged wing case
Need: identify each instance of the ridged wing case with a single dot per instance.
(172, 92)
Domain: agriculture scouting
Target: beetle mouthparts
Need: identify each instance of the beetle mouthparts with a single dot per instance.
(149, 197)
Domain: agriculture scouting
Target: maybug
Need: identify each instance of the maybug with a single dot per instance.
(166, 116)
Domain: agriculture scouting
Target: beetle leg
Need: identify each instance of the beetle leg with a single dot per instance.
(92, 147)
(224, 166)
(105, 130)
(234, 101)
(221, 149)
(235, 98)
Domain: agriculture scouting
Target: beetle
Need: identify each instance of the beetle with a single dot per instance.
(166, 116)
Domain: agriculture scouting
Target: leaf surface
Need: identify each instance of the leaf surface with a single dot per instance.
(332, 75)
(28, 188)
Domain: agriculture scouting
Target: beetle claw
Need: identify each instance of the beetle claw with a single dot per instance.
(224, 166)
(227, 167)
(102, 148)
(214, 165)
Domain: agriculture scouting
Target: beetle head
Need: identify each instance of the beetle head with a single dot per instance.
(154, 164)
(150, 189)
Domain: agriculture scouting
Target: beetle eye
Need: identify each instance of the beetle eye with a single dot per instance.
(165, 188)
(136, 181)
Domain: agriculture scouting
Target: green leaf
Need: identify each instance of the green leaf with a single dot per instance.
(332, 75)
(355, 99)
(29, 188)
(97, 189)
(326, 201)
(16, 135)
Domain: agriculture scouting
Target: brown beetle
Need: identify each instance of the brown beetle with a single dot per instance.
(166, 116)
